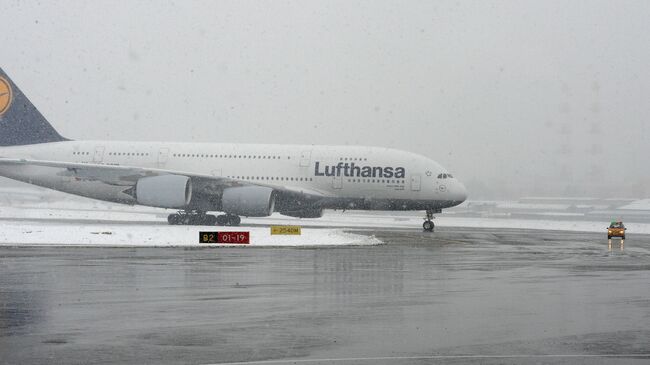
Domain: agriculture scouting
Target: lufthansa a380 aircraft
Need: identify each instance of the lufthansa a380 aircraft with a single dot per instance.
(252, 180)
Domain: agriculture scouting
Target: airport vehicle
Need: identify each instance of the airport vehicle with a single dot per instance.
(616, 229)
(251, 180)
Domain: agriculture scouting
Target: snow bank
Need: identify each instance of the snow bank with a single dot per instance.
(112, 235)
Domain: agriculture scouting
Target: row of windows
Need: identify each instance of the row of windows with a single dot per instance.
(383, 181)
(444, 176)
(115, 153)
(352, 159)
(128, 154)
(259, 157)
(273, 178)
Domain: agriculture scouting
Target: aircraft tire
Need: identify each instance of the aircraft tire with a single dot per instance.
(173, 219)
(222, 220)
(428, 226)
(209, 220)
(234, 220)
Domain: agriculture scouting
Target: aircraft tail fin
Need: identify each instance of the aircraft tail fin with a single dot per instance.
(20, 122)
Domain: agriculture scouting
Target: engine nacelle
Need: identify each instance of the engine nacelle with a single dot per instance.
(249, 201)
(304, 213)
(165, 191)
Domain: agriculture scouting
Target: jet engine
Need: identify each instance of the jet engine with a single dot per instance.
(249, 201)
(165, 191)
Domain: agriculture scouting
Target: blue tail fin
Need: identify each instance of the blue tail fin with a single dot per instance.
(20, 122)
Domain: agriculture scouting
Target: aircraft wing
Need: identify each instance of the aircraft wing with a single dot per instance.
(129, 175)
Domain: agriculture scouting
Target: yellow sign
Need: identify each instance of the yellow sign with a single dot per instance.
(286, 230)
(5, 96)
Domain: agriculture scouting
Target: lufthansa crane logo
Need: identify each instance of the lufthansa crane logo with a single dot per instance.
(5, 96)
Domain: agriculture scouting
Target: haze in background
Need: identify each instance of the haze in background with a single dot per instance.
(516, 98)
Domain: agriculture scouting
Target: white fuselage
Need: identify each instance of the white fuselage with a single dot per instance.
(344, 174)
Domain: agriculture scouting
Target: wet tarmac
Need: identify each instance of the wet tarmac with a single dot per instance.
(456, 296)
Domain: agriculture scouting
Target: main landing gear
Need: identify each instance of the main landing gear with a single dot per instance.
(196, 218)
(428, 223)
(228, 220)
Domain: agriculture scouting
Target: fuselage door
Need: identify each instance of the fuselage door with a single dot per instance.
(415, 182)
(163, 155)
(337, 182)
(305, 158)
(99, 154)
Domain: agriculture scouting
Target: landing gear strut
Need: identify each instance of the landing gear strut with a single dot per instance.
(428, 223)
(199, 218)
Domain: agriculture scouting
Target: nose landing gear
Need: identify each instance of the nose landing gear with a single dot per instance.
(428, 225)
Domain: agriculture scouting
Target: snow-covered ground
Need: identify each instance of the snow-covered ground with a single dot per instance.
(350, 219)
(643, 204)
(540, 224)
(33, 216)
(111, 235)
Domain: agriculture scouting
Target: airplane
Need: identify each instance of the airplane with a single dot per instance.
(251, 180)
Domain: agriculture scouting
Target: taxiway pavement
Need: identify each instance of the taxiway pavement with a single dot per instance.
(454, 296)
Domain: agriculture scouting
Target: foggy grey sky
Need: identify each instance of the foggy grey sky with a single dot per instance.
(525, 97)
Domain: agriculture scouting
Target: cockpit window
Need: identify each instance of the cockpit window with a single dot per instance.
(440, 176)
(449, 176)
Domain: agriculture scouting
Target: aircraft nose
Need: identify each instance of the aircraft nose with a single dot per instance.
(460, 192)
